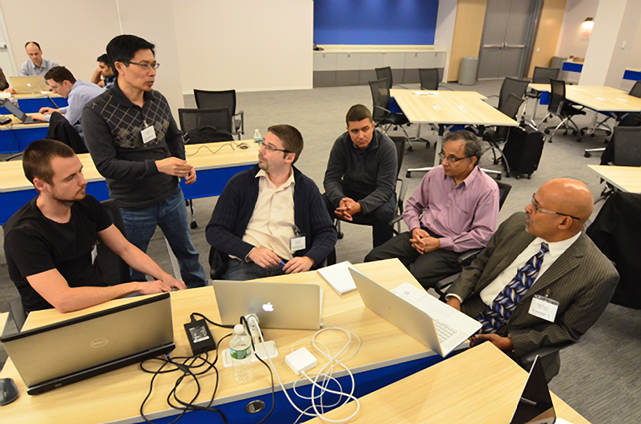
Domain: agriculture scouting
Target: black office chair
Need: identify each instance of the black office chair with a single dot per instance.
(467, 258)
(386, 74)
(562, 109)
(113, 269)
(381, 113)
(540, 76)
(513, 86)
(204, 126)
(401, 190)
(217, 99)
(510, 107)
(429, 78)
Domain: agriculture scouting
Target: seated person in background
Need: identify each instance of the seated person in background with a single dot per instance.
(540, 281)
(361, 175)
(270, 219)
(454, 209)
(3, 81)
(103, 76)
(79, 93)
(36, 65)
(49, 242)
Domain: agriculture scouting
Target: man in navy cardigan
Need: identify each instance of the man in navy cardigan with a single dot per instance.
(270, 219)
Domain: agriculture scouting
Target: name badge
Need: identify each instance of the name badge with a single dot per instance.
(297, 243)
(543, 307)
(148, 134)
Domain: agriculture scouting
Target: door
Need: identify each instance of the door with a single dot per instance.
(508, 34)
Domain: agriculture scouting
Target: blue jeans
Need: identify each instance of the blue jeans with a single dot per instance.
(242, 271)
(171, 216)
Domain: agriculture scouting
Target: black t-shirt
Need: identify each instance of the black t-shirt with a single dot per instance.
(35, 244)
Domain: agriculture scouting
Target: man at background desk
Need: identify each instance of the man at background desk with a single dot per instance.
(136, 145)
(103, 76)
(270, 219)
(361, 175)
(540, 281)
(454, 209)
(49, 242)
(36, 65)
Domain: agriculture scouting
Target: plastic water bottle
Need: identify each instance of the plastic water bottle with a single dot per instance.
(13, 100)
(257, 136)
(240, 349)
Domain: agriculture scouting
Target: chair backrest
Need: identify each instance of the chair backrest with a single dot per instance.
(399, 142)
(113, 269)
(429, 78)
(511, 105)
(627, 146)
(542, 75)
(206, 125)
(386, 74)
(636, 89)
(557, 95)
(380, 98)
(513, 86)
(504, 190)
(216, 99)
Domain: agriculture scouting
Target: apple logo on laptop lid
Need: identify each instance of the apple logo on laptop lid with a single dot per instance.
(268, 307)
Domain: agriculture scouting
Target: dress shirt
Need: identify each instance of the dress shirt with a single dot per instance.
(28, 69)
(81, 93)
(272, 223)
(464, 215)
(556, 249)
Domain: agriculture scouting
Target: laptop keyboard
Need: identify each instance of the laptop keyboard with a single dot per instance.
(411, 294)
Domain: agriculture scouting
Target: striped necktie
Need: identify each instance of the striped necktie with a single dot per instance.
(495, 315)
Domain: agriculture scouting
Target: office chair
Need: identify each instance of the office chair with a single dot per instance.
(381, 114)
(510, 107)
(561, 108)
(113, 269)
(401, 190)
(216, 99)
(429, 78)
(204, 126)
(386, 74)
(540, 76)
(513, 86)
(549, 357)
(466, 259)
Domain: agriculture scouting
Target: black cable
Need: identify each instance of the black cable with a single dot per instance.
(198, 314)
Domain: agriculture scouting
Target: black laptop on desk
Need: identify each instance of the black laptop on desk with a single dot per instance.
(69, 351)
(15, 110)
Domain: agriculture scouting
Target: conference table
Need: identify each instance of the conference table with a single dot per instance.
(449, 108)
(215, 164)
(480, 385)
(30, 103)
(387, 354)
(625, 178)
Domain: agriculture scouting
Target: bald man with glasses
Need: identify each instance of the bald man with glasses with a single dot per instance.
(540, 281)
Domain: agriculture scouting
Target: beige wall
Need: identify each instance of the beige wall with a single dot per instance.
(468, 30)
(547, 35)
(570, 40)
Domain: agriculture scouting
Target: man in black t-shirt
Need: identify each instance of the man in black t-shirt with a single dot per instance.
(49, 241)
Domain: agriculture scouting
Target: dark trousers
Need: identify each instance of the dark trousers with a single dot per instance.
(379, 218)
(428, 268)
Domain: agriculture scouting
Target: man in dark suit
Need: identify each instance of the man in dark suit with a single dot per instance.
(540, 281)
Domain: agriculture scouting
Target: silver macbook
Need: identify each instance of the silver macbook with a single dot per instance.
(69, 351)
(422, 316)
(29, 85)
(278, 305)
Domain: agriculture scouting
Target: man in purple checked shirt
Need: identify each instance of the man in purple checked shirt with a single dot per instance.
(453, 210)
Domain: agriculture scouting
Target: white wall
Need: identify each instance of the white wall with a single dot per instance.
(445, 21)
(249, 45)
(570, 42)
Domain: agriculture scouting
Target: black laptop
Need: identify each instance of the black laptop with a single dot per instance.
(15, 110)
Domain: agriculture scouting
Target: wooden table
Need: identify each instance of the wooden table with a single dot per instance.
(451, 109)
(480, 385)
(117, 395)
(214, 168)
(625, 178)
(600, 99)
(396, 93)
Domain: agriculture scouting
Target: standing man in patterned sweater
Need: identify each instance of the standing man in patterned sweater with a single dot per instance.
(136, 145)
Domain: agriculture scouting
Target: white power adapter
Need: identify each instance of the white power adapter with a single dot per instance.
(301, 360)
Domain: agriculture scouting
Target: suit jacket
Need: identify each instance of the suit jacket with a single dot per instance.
(582, 280)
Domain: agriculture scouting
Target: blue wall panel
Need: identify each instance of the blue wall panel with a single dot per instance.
(375, 21)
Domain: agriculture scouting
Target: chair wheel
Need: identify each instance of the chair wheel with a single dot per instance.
(427, 144)
(574, 132)
(517, 176)
(550, 140)
(608, 133)
(582, 132)
(498, 177)
(587, 154)
(409, 149)
(408, 174)
(592, 135)
(193, 225)
(340, 235)
(546, 131)
(529, 177)
(579, 139)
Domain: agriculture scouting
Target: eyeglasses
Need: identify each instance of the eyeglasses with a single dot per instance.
(272, 148)
(538, 208)
(146, 66)
(451, 158)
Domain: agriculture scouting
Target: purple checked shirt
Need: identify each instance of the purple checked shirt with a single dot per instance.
(465, 216)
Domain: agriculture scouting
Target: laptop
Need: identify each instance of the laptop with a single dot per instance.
(535, 404)
(29, 85)
(419, 314)
(288, 306)
(15, 110)
(69, 351)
